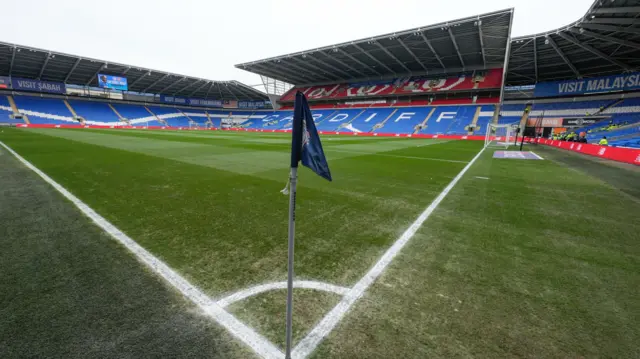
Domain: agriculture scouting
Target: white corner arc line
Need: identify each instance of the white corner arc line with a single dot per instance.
(535, 154)
(263, 347)
(307, 345)
(302, 284)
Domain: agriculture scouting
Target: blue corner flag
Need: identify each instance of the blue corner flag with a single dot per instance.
(305, 144)
(305, 147)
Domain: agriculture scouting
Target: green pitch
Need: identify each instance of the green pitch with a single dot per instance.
(521, 259)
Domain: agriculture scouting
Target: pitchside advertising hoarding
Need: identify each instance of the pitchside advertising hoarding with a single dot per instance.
(112, 82)
(624, 82)
(39, 86)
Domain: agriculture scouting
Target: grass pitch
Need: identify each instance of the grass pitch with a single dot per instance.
(541, 259)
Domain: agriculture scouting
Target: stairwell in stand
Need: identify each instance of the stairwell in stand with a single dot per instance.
(73, 112)
(476, 116)
(353, 119)
(16, 111)
(496, 115)
(381, 124)
(122, 119)
(156, 116)
(423, 125)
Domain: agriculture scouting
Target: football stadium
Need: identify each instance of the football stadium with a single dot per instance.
(484, 199)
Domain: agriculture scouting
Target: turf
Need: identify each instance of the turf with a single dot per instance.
(69, 291)
(540, 260)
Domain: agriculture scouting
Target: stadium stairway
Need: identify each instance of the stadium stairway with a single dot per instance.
(347, 125)
(73, 112)
(474, 123)
(160, 120)
(16, 111)
(424, 123)
(122, 118)
(380, 125)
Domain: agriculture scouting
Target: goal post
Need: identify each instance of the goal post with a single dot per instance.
(498, 135)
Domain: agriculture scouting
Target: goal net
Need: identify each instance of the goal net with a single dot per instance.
(498, 135)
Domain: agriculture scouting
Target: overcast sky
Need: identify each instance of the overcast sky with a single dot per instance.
(206, 38)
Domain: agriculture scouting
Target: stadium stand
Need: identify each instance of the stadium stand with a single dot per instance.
(6, 111)
(93, 112)
(42, 110)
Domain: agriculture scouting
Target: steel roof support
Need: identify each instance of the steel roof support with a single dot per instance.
(303, 63)
(535, 57)
(311, 58)
(564, 57)
(358, 61)
(615, 40)
(72, 69)
(593, 51)
(269, 72)
(424, 37)
(206, 95)
(613, 20)
(186, 87)
(304, 71)
(219, 91)
(198, 89)
(505, 68)
(96, 74)
(231, 92)
(46, 61)
(125, 71)
(243, 91)
(373, 58)
(343, 64)
(138, 79)
(155, 82)
(631, 30)
(455, 44)
(13, 58)
(617, 10)
(393, 57)
(484, 60)
(413, 55)
(171, 85)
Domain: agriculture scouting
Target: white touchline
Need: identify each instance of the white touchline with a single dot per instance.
(258, 343)
(302, 284)
(533, 153)
(307, 345)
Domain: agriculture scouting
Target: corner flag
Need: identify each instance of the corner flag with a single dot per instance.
(305, 147)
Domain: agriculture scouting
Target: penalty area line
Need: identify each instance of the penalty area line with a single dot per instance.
(307, 345)
(260, 345)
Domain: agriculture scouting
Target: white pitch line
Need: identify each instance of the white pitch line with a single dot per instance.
(303, 284)
(263, 347)
(307, 345)
(533, 153)
(484, 178)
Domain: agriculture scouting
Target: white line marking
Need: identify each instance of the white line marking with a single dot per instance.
(304, 284)
(258, 343)
(307, 345)
(484, 178)
(329, 149)
(533, 153)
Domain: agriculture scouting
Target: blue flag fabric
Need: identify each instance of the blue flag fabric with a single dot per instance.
(306, 145)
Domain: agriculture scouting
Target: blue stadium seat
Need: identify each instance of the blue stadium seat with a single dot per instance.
(6, 111)
(95, 112)
(42, 110)
(172, 116)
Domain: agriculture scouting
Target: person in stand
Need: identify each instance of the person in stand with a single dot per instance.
(603, 141)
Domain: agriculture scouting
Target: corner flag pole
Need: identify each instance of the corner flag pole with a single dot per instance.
(296, 152)
(293, 179)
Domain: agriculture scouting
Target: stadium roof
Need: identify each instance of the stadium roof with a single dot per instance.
(472, 43)
(33, 63)
(605, 41)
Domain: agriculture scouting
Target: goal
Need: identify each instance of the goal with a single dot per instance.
(498, 135)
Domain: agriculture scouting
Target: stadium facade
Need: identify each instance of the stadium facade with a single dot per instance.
(448, 79)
